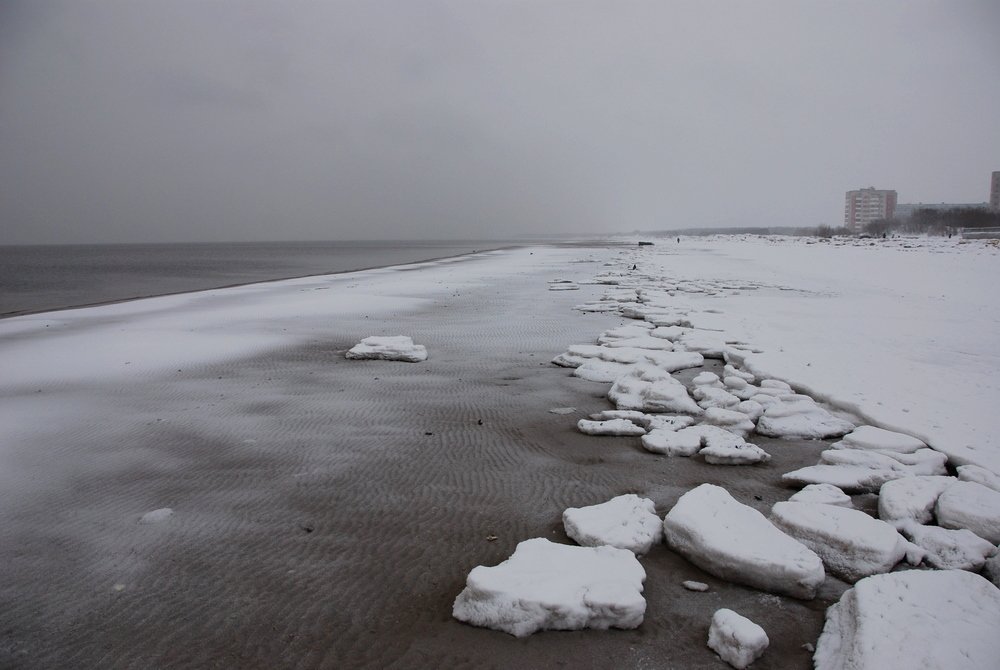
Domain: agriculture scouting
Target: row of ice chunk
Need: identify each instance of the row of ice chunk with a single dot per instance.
(544, 585)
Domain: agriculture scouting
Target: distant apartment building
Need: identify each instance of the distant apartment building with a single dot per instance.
(995, 192)
(866, 205)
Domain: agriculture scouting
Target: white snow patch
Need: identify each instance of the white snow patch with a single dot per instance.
(933, 620)
(736, 542)
(735, 422)
(627, 522)
(737, 640)
(548, 586)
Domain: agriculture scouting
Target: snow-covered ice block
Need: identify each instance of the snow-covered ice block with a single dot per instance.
(627, 522)
(735, 454)
(911, 498)
(707, 379)
(753, 409)
(624, 332)
(870, 437)
(737, 640)
(643, 342)
(732, 371)
(979, 475)
(736, 542)
(707, 343)
(684, 442)
(775, 384)
(949, 549)
(825, 494)
(991, 569)
(596, 370)
(157, 515)
(801, 418)
(735, 422)
(709, 396)
(563, 286)
(551, 586)
(614, 427)
(850, 478)
(635, 416)
(672, 333)
(388, 348)
(970, 505)
(927, 619)
(670, 421)
(672, 396)
(851, 543)
(692, 585)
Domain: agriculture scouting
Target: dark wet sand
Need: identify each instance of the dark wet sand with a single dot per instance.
(328, 511)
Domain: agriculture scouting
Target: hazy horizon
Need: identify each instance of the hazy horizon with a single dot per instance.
(146, 122)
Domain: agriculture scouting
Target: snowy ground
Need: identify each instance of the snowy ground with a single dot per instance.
(904, 333)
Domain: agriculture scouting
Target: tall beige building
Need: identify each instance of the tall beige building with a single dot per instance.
(866, 205)
(995, 192)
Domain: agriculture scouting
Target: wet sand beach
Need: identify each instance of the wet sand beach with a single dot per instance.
(327, 511)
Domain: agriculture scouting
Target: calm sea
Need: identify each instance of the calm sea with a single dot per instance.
(39, 278)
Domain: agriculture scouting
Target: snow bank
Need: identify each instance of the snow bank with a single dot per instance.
(548, 586)
(736, 542)
(970, 505)
(933, 620)
(851, 543)
(388, 348)
(737, 640)
(627, 522)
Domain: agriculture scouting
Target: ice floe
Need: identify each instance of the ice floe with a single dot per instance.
(544, 585)
(692, 585)
(970, 505)
(851, 543)
(826, 494)
(615, 427)
(929, 619)
(911, 498)
(627, 522)
(870, 437)
(737, 640)
(709, 396)
(949, 549)
(388, 348)
(733, 421)
(979, 475)
(736, 542)
(800, 418)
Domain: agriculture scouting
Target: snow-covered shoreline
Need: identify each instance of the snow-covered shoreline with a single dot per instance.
(188, 403)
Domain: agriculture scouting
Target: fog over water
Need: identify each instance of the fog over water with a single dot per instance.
(151, 121)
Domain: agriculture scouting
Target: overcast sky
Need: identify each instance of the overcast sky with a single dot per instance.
(174, 120)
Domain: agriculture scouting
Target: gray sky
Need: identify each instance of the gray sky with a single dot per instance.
(153, 120)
